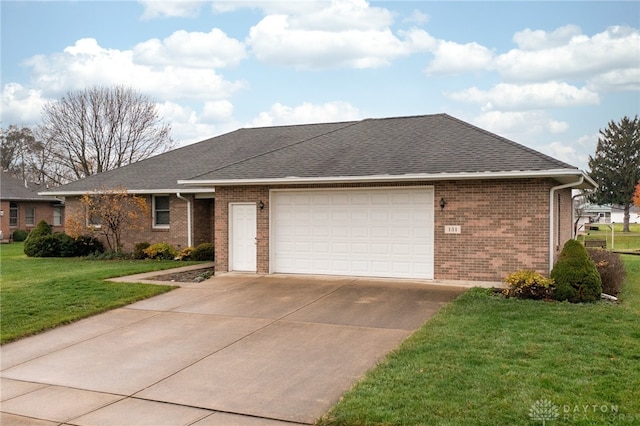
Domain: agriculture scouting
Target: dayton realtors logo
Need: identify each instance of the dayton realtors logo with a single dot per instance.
(544, 410)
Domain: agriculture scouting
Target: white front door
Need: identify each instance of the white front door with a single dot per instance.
(242, 237)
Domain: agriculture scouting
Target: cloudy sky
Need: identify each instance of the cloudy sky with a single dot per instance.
(548, 75)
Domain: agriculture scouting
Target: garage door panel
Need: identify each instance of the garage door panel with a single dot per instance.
(370, 232)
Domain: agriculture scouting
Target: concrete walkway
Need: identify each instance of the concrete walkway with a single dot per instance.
(231, 350)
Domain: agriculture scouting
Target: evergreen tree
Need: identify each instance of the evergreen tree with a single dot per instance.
(616, 165)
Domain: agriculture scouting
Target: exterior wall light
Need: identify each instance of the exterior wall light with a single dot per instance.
(261, 205)
(443, 203)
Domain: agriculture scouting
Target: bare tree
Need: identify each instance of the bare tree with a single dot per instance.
(15, 149)
(102, 128)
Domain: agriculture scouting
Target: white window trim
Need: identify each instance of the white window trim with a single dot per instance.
(26, 216)
(153, 212)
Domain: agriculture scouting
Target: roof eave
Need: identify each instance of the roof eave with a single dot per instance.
(561, 175)
(183, 190)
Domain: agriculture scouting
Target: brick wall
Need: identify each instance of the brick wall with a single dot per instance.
(504, 225)
(42, 210)
(175, 235)
(241, 194)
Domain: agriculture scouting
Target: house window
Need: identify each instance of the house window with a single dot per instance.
(93, 219)
(57, 216)
(30, 216)
(13, 214)
(160, 211)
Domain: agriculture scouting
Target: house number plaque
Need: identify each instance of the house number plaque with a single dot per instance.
(452, 229)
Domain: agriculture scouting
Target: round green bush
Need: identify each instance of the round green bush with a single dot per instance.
(86, 245)
(162, 251)
(51, 245)
(576, 277)
(204, 252)
(20, 235)
(32, 246)
(138, 250)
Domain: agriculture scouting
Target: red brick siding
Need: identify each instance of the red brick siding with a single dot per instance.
(241, 194)
(43, 211)
(203, 215)
(504, 223)
(175, 235)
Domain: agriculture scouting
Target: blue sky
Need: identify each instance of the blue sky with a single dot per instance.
(548, 75)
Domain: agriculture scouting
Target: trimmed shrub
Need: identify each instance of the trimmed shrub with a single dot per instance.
(20, 235)
(87, 245)
(138, 250)
(576, 277)
(185, 254)
(35, 248)
(610, 268)
(525, 284)
(161, 251)
(204, 252)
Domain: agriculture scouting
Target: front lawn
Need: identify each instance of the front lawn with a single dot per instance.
(41, 293)
(486, 360)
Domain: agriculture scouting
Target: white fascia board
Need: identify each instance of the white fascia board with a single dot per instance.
(517, 174)
(131, 191)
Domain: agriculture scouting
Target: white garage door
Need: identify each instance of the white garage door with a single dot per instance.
(369, 232)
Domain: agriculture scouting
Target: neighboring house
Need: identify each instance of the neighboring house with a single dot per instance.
(427, 197)
(592, 213)
(22, 208)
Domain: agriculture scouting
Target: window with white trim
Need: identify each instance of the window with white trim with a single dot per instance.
(13, 214)
(57, 216)
(30, 216)
(161, 217)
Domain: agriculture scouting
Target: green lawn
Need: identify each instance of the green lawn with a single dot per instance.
(485, 360)
(622, 241)
(40, 293)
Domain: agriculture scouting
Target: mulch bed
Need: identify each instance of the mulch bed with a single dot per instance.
(186, 276)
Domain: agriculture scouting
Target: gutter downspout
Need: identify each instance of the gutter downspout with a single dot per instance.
(551, 215)
(189, 239)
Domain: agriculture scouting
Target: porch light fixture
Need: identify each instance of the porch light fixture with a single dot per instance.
(443, 203)
(261, 205)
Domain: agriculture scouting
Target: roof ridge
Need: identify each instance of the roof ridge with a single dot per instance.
(346, 125)
(510, 142)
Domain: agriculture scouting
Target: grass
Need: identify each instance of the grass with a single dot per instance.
(485, 360)
(622, 241)
(37, 294)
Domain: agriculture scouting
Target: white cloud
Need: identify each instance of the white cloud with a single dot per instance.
(519, 125)
(418, 17)
(551, 94)
(274, 40)
(305, 113)
(537, 40)
(578, 56)
(86, 64)
(616, 80)
(20, 104)
(191, 49)
(170, 8)
(217, 111)
(455, 58)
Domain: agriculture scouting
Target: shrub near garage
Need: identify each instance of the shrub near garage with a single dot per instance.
(576, 277)
(204, 252)
(527, 284)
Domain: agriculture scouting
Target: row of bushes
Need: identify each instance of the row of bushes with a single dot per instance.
(165, 251)
(42, 242)
(580, 275)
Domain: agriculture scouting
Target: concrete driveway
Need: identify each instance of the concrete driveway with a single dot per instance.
(232, 350)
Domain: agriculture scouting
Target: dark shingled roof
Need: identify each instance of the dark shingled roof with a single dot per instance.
(428, 144)
(12, 189)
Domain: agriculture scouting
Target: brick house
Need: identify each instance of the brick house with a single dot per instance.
(427, 197)
(22, 208)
